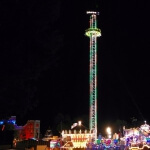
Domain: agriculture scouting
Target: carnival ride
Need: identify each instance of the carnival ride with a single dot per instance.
(133, 138)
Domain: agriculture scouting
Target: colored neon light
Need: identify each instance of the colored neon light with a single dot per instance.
(93, 32)
(1, 122)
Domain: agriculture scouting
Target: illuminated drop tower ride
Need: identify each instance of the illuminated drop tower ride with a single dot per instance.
(93, 32)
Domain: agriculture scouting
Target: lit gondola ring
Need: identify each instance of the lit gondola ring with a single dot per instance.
(93, 31)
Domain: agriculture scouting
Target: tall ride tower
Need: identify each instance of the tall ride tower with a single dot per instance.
(93, 32)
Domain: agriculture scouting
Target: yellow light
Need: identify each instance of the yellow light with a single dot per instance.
(79, 123)
(108, 130)
(93, 31)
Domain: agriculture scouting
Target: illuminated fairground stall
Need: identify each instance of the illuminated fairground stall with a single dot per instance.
(137, 138)
(77, 137)
(132, 139)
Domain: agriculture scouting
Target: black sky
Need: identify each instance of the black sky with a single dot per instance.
(44, 59)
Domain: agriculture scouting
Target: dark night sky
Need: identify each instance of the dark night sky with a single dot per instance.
(44, 59)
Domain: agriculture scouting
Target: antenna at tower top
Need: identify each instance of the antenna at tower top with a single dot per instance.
(93, 12)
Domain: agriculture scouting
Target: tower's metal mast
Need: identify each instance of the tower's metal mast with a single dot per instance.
(93, 32)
